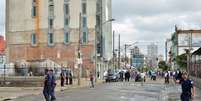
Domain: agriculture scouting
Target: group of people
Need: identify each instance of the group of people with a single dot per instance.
(126, 75)
(66, 75)
(137, 76)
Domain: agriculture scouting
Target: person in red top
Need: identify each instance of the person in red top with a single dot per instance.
(91, 80)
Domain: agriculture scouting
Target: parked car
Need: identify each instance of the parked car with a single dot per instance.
(112, 76)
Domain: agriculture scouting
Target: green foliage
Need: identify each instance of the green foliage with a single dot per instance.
(181, 60)
(162, 65)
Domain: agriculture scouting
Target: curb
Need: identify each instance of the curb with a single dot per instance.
(58, 90)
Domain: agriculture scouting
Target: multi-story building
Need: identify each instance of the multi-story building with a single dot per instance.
(152, 55)
(51, 29)
(137, 58)
(136, 50)
(104, 34)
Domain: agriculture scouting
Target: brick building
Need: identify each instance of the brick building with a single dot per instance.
(50, 29)
(2, 45)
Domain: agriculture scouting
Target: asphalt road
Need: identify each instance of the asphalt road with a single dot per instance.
(120, 91)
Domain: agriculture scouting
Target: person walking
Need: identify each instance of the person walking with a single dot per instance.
(127, 76)
(70, 78)
(121, 76)
(62, 78)
(49, 86)
(167, 76)
(188, 90)
(91, 76)
(67, 76)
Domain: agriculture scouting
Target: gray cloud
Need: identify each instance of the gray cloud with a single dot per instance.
(154, 7)
(154, 20)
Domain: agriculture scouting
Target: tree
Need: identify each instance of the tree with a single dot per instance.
(181, 60)
(162, 65)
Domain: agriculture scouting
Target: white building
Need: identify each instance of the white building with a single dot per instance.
(152, 55)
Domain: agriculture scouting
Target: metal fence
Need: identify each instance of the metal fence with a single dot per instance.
(25, 74)
(195, 70)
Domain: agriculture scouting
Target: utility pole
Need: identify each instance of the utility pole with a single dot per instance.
(125, 56)
(95, 53)
(126, 45)
(131, 58)
(166, 50)
(79, 52)
(113, 51)
(119, 53)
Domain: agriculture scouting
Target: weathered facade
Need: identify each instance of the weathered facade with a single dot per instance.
(50, 29)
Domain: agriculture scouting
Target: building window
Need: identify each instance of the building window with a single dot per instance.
(33, 39)
(66, 9)
(66, 37)
(51, 10)
(51, 23)
(84, 8)
(85, 37)
(50, 38)
(34, 11)
(84, 22)
(66, 21)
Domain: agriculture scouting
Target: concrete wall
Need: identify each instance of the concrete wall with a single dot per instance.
(20, 25)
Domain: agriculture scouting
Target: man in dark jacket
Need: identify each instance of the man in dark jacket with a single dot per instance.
(49, 86)
(188, 90)
(127, 76)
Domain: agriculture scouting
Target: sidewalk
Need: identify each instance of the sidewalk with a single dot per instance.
(8, 93)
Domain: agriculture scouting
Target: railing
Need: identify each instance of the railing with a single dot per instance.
(25, 74)
(195, 70)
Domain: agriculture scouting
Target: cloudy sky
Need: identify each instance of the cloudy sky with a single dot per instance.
(146, 20)
(154, 20)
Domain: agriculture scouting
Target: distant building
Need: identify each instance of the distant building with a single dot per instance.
(136, 50)
(183, 39)
(137, 58)
(152, 55)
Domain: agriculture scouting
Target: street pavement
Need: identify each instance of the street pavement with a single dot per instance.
(119, 91)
